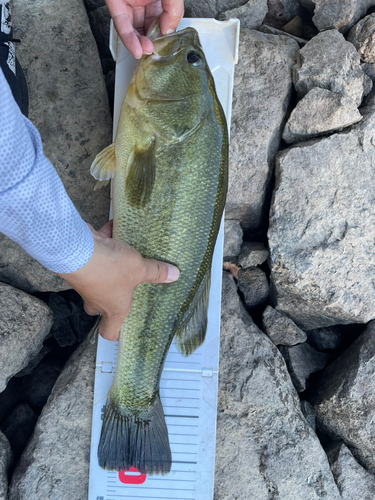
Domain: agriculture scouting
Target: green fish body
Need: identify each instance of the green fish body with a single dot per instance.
(169, 167)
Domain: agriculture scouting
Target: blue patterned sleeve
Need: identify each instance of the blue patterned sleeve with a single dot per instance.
(35, 210)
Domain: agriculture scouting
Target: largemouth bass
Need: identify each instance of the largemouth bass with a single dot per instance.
(169, 167)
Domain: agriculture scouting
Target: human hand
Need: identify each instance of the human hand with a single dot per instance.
(108, 280)
(132, 19)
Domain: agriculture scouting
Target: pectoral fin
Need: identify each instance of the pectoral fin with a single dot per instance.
(104, 165)
(141, 176)
(191, 331)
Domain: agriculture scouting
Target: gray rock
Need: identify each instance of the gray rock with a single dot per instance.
(37, 386)
(24, 323)
(251, 14)
(362, 36)
(209, 8)
(369, 70)
(18, 428)
(253, 254)
(68, 98)
(320, 111)
(6, 459)
(46, 349)
(280, 329)
(321, 229)
(292, 8)
(63, 332)
(303, 360)
(265, 448)
(345, 399)
(309, 413)
(232, 238)
(330, 62)
(274, 31)
(353, 481)
(55, 464)
(254, 285)
(20, 270)
(262, 88)
(59, 306)
(324, 338)
(342, 15)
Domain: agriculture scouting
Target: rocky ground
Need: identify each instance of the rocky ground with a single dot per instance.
(297, 371)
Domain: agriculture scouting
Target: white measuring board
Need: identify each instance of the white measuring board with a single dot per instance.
(188, 386)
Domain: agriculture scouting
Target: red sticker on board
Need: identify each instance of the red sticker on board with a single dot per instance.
(134, 478)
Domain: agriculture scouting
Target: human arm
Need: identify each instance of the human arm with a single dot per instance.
(132, 19)
(36, 212)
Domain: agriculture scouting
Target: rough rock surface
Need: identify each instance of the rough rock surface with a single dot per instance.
(345, 399)
(324, 338)
(68, 98)
(20, 270)
(274, 31)
(6, 458)
(303, 360)
(262, 87)
(209, 8)
(55, 463)
(353, 481)
(340, 15)
(330, 62)
(25, 321)
(253, 254)
(320, 237)
(362, 36)
(265, 447)
(320, 111)
(254, 285)
(251, 14)
(280, 329)
(232, 238)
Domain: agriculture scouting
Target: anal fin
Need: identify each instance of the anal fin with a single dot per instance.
(191, 331)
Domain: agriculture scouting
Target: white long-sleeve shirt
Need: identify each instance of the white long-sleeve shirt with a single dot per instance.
(35, 210)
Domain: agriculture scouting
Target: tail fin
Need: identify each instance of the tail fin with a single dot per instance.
(128, 441)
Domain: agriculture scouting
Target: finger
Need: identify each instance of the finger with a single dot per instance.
(139, 19)
(91, 311)
(160, 272)
(146, 44)
(106, 230)
(109, 327)
(124, 27)
(173, 10)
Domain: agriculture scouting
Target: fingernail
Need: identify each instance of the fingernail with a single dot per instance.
(169, 31)
(173, 274)
(147, 53)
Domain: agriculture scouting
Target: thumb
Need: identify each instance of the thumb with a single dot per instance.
(160, 272)
(109, 326)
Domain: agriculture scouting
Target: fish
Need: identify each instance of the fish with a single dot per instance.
(169, 165)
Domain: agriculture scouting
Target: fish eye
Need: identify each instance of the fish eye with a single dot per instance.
(193, 58)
